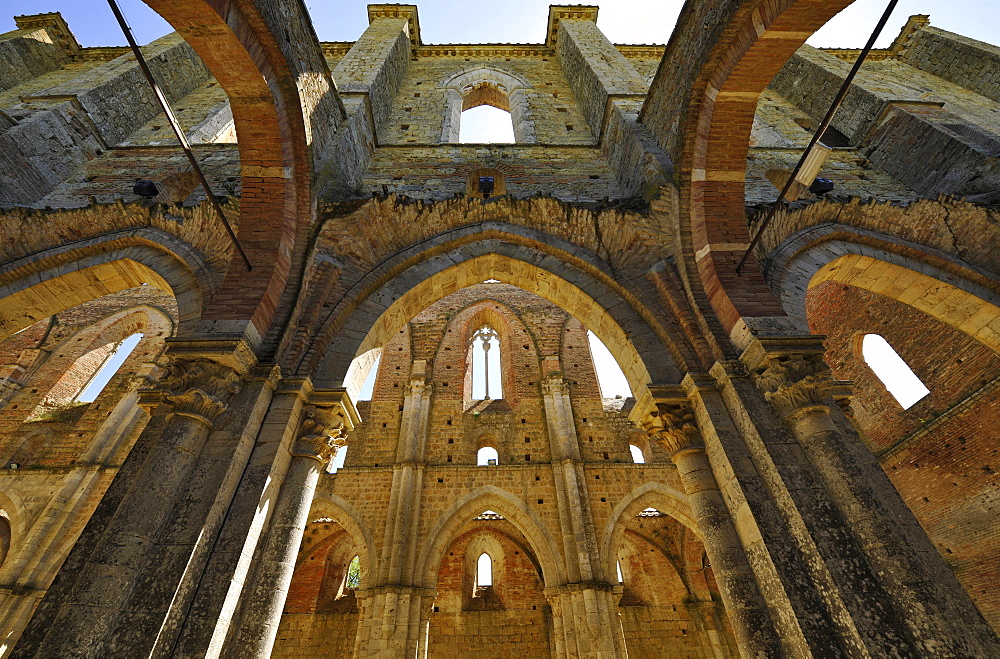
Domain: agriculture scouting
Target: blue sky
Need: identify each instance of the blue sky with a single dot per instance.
(523, 21)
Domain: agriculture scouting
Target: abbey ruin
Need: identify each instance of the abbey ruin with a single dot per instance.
(231, 493)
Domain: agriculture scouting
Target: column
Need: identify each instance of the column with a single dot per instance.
(155, 524)
(321, 432)
(673, 425)
(586, 605)
(926, 600)
(391, 626)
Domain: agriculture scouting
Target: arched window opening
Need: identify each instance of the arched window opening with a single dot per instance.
(637, 456)
(621, 579)
(610, 376)
(107, 370)
(892, 371)
(484, 572)
(487, 456)
(486, 364)
(353, 578)
(486, 125)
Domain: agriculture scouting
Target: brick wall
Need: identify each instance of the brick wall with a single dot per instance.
(941, 453)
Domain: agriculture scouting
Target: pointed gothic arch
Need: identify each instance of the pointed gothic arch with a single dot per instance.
(513, 509)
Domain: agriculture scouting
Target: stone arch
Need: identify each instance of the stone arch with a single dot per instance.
(36, 287)
(278, 88)
(347, 516)
(514, 510)
(747, 45)
(646, 349)
(487, 85)
(14, 510)
(649, 495)
(944, 295)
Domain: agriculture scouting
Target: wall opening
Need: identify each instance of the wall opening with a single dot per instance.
(486, 380)
(100, 379)
(610, 377)
(486, 125)
(353, 578)
(892, 371)
(484, 571)
(487, 456)
(637, 456)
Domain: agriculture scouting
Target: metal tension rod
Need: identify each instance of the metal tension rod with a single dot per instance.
(178, 131)
(838, 99)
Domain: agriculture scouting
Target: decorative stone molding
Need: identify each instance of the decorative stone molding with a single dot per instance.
(321, 432)
(56, 28)
(790, 372)
(672, 423)
(200, 388)
(568, 12)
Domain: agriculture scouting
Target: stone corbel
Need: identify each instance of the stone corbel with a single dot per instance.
(790, 372)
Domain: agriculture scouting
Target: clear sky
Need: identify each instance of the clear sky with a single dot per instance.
(523, 21)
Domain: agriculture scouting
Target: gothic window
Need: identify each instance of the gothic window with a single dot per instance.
(103, 375)
(487, 456)
(86, 378)
(484, 572)
(892, 371)
(621, 579)
(486, 364)
(637, 456)
(353, 578)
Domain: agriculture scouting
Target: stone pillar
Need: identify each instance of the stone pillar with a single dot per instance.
(391, 626)
(320, 435)
(673, 425)
(138, 550)
(929, 603)
(585, 606)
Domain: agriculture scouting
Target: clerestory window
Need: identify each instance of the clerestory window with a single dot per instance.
(486, 364)
(484, 571)
(892, 371)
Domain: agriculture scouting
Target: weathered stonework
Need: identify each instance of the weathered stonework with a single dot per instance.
(785, 504)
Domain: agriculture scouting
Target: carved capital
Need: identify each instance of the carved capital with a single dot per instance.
(200, 388)
(554, 384)
(795, 382)
(321, 432)
(672, 424)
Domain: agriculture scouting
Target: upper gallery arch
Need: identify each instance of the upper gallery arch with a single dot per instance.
(487, 85)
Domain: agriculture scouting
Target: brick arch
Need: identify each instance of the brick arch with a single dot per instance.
(37, 287)
(120, 325)
(241, 44)
(752, 41)
(948, 297)
(649, 495)
(513, 509)
(639, 350)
